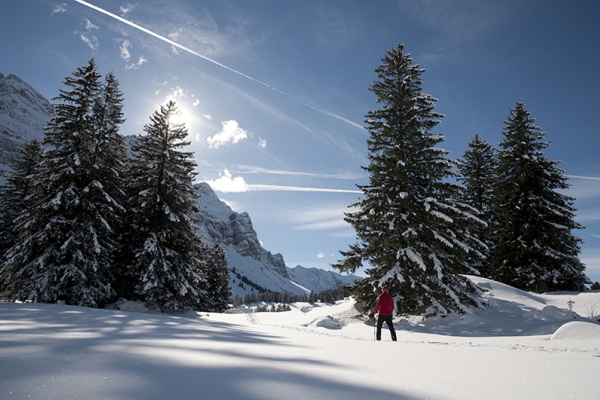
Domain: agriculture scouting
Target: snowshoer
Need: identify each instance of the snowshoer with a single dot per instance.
(385, 308)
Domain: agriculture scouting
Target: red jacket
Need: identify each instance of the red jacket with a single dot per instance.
(385, 304)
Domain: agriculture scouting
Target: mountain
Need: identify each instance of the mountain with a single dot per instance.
(24, 113)
(249, 261)
(252, 267)
(318, 280)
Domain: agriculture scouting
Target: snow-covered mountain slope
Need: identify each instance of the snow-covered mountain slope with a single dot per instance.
(318, 280)
(247, 259)
(24, 113)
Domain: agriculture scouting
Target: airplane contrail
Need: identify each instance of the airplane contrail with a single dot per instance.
(248, 169)
(256, 187)
(175, 44)
(593, 178)
(227, 183)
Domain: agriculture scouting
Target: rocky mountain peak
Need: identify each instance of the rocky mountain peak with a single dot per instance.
(24, 113)
(234, 230)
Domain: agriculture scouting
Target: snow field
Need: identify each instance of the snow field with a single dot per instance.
(318, 351)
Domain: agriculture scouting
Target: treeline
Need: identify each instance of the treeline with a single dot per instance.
(244, 281)
(423, 225)
(86, 221)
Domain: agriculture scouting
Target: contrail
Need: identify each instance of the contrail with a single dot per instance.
(593, 178)
(255, 187)
(248, 169)
(175, 44)
(227, 183)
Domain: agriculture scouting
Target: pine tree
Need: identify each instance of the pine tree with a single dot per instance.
(109, 154)
(535, 249)
(169, 253)
(66, 244)
(476, 172)
(21, 184)
(415, 235)
(110, 162)
(218, 292)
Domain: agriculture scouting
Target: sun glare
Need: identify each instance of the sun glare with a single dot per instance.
(182, 116)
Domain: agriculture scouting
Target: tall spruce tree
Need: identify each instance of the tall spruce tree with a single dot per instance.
(476, 173)
(66, 244)
(109, 154)
(411, 230)
(535, 248)
(110, 162)
(169, 254)
(218, 292)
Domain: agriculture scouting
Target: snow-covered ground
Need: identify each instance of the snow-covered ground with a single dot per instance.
(523, 346)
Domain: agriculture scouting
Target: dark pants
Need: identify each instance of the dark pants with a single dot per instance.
(390, 324)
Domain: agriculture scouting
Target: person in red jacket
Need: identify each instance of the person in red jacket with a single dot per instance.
(385, 308)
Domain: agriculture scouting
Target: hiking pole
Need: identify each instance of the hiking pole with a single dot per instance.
(374, 328)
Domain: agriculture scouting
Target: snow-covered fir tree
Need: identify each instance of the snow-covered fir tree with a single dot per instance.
(169, 255)
(20, 185)
(110, 161)
(476, 173)
(218, 292)
(535, 248)
(109, 154)
(66, 244)
(416, 237)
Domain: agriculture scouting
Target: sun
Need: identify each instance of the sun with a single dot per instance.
(181, 117)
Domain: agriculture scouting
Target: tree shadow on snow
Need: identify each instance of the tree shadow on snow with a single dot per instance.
(65, 352)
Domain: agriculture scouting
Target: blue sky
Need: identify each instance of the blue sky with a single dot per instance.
(274, 93)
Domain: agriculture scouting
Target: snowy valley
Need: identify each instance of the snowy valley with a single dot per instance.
(521, 346)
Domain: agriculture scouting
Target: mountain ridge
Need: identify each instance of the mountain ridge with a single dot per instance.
(24, 113)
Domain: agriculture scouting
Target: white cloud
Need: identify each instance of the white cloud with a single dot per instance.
(228, 184)
(208, 117)
(124, 48)
(142, 60)
(176, 93)
(320, 254)
(262, 143)
(196, 102)
(127, 8)
(89, 25)
(91, 41)
(231, 133)
(59, 8)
